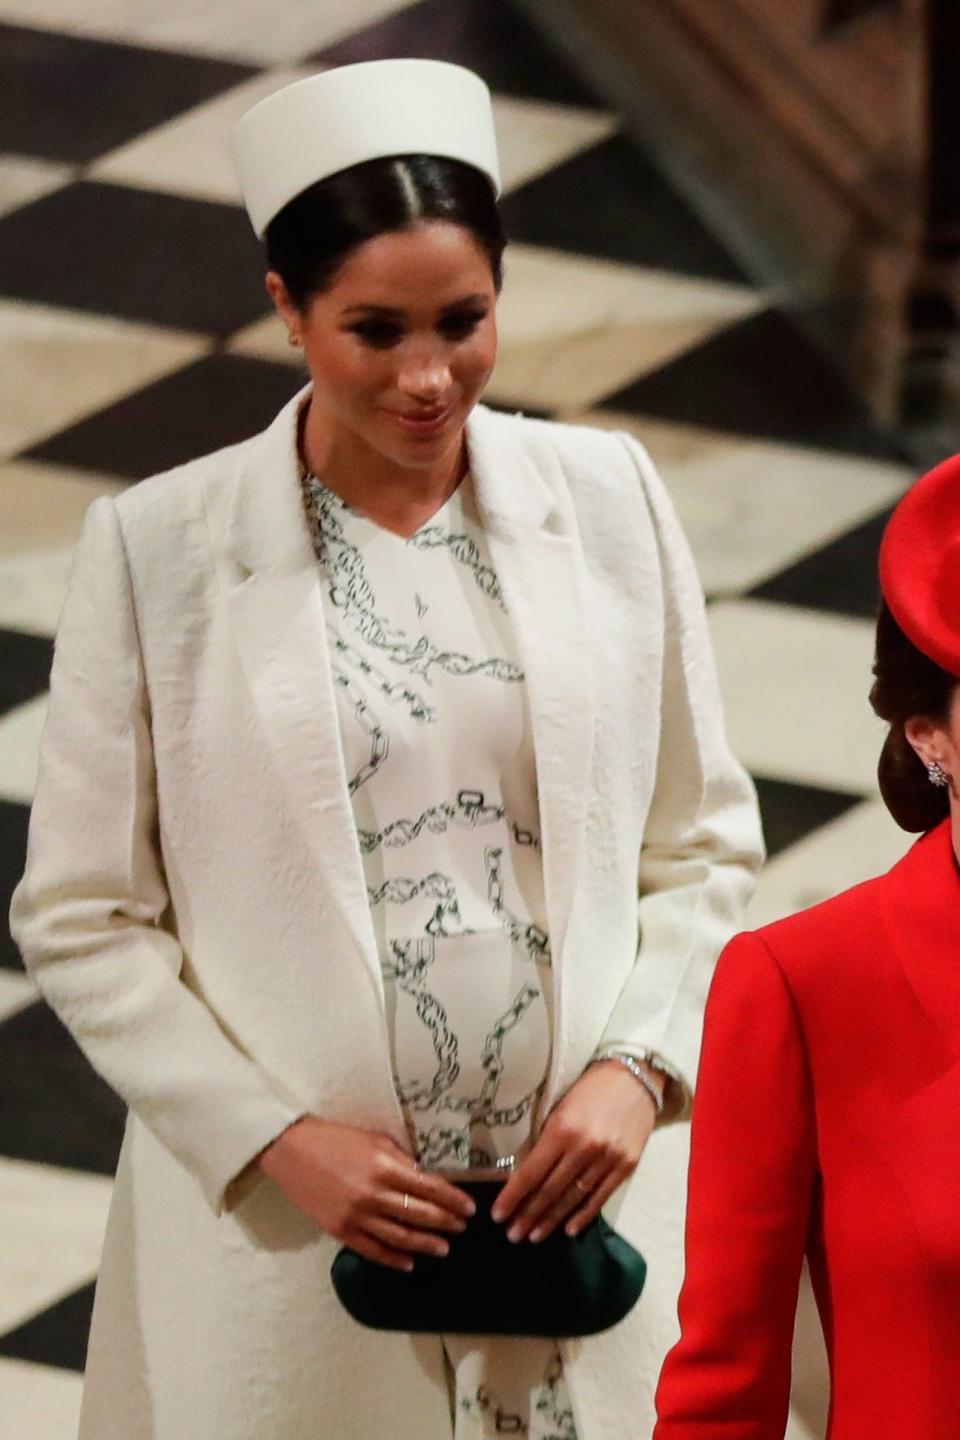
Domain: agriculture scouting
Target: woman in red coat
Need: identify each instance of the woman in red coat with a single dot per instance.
(827, 1114)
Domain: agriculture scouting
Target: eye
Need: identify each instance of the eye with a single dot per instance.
(461, 324)
(379, 334)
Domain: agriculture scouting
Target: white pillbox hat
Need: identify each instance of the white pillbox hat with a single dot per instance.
(328, 122)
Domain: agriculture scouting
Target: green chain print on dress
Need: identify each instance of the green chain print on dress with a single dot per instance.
(469, 809)
(401, 890)
(407, 966)
(550, 1412)
(393, 691)
(531, 937)
(434, 537)
(351, 593)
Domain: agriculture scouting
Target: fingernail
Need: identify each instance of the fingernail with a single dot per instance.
(471, 1209)
(442, 1248)
(514, 1234)
(573, 1228)
(496, 1214)
(459, 1226)
(536, 1236)
(408, 1266)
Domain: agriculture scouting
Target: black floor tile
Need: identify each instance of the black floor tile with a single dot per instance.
(13, 854)
(55, 1110)
(57, 1336)
(840, 576)
(610, 201)
(71, 99)
(790, 811)
(24, 667)
(214, 401)
(492, 37)
(761, 377)
(163, 259)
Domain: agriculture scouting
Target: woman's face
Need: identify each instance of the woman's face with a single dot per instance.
(401, 345)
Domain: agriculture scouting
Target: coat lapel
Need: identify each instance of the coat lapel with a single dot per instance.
(277, 616)
(921, 913)
(531, 530)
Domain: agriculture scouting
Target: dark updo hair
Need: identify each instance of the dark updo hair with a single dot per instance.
(311, 237)
(908, 683)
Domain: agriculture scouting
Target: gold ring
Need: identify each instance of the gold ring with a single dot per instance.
(406, 1201)
(581, 1187)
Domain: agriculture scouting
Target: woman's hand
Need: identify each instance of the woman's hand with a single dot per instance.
(364, 1191)
(592, 1141)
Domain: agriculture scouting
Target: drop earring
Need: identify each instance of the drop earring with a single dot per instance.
(937, 775)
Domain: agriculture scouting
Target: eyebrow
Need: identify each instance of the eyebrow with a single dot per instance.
(392, 313)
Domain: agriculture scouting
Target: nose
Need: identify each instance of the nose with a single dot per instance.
(424, 373)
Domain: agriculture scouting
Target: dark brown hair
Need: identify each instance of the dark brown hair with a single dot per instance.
(907, 683)
(313, 234)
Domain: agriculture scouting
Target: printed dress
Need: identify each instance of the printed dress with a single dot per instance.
(438, 750)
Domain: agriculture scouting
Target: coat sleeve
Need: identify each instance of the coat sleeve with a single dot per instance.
(88, 914)
(702, 844)
(753, 1173)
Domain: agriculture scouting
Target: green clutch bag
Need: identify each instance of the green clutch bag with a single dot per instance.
(562, 1287)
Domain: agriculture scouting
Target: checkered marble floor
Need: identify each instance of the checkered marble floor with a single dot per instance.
(134, 334)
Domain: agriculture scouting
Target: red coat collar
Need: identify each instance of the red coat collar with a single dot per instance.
(920, 908)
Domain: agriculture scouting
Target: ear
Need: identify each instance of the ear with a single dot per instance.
(284, 306)
(926, 738)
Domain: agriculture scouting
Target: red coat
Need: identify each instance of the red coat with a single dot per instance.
(827, 1121)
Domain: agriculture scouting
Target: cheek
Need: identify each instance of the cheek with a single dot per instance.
(476, 360)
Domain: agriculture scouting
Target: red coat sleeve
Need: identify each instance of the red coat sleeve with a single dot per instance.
(753, 1168)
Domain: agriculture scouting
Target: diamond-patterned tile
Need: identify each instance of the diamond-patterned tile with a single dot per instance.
(40, 1401)
(216, 401)
(56, 1110)
(105, 93)
(860, 843)
(497, 41)
(21, 728)
(41, 512)
(243, 30)
(57, 1336)
(56, 366)
(573, 329)
(751, 508)
(52, 1221)
(533, 137)
(760, 377)
(24, 668)
(623, 210)
(23, 179)
(840, 577)
(188, 155)
(13, 854)
(790, 811)
(63, 250)
(795, 685)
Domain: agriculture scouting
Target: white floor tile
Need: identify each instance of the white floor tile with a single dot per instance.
(751, 507)
(58, 365)
(573, 330)
(20, 731)
(41, 512)
(278, 33)
(52, 1222)
(859, 844)
(189, 155)
(38, 1402)
(23, 179)
(811, 1376)
(16, 993)
(533, 137)
(795, 685)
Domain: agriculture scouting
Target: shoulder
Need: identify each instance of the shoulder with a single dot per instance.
(175, 496)
(584, 452)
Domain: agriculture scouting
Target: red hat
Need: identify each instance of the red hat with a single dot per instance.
(920, 565)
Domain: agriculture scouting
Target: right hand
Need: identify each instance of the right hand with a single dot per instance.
(353, 1182)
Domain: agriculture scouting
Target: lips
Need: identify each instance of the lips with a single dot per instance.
(422, 422)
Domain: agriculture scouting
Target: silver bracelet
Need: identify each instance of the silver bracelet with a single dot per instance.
(638, 1073)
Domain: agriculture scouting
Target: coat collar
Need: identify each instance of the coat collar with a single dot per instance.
(276, 610)
(920, 906)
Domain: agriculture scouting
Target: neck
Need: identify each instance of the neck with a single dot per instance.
(400, 497)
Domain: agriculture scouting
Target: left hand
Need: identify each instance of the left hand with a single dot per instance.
(591, 1142)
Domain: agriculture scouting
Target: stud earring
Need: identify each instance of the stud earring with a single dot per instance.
(293, 340)
(937, 775)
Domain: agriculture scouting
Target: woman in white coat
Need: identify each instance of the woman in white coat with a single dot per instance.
(385, 827)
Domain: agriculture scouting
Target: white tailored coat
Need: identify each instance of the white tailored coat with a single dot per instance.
(194, 909)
